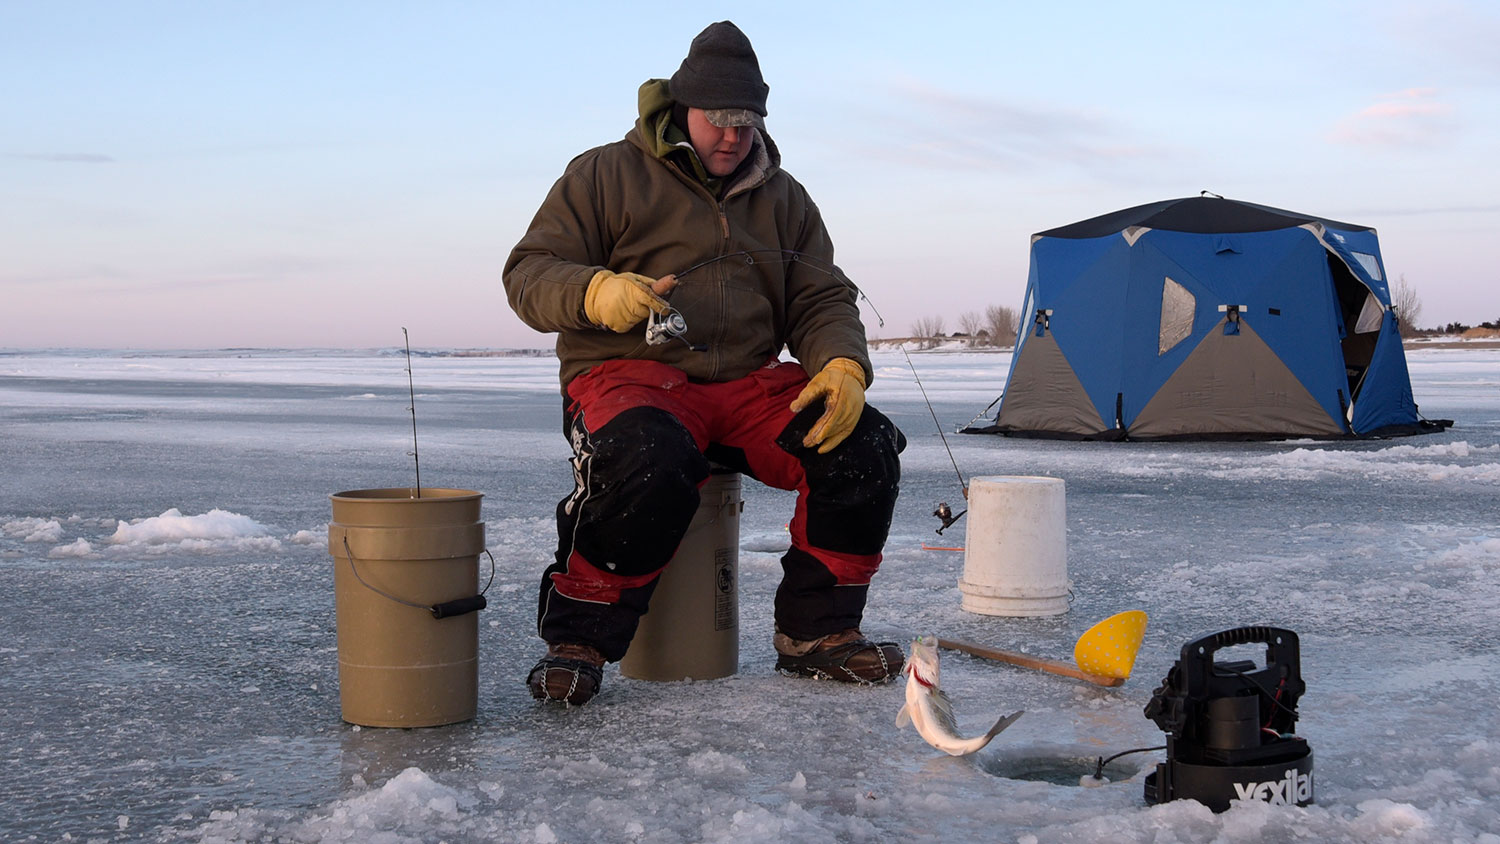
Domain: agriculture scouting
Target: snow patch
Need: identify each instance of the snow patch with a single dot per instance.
(714, 762)
(307, 537)
(1483, 555)
(205, 532)
(1382, 818)
(1433, 463)
(77, 548)
(410, 806)
(33, 530)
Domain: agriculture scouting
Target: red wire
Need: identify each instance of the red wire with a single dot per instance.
(1275, 700)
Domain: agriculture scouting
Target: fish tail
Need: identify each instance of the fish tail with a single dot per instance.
(1002, 724)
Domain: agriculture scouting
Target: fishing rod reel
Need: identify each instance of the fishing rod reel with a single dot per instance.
(946, 516)
(943, 512)
(662, 328)
(1229, 725)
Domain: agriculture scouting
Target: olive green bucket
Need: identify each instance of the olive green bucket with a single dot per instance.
(406, 571)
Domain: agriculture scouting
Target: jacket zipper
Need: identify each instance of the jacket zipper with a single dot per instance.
(723, 280)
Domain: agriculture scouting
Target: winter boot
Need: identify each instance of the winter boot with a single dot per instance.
(847, 657)
(569, 674)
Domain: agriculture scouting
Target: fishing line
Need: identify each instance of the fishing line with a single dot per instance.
(961, 484)
(411, 391)
(790, 256)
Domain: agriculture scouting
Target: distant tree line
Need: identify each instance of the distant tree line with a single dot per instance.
(1408, 308)
(996, 327)
(1459, 328)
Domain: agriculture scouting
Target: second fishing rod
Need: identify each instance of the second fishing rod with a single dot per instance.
(669, 325)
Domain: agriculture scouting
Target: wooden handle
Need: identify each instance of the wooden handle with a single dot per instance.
(1051, 666)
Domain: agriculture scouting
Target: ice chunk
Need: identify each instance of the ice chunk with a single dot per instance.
(33, 529)
(173, 526)
(76, 548)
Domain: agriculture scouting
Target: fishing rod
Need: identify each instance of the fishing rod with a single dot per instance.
(790, 256)
(662, 328)
(670, 325)
(411, 391)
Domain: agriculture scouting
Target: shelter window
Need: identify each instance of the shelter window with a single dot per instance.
(1370, 265)
(1178, 306)
(1369, 316)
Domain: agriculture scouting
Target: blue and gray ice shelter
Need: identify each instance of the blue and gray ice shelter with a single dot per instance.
(1207, 318)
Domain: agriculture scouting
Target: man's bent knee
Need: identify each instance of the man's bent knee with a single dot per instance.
(637, 480)
(852, 490)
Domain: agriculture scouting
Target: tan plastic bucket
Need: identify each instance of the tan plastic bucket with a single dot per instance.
(692, 630)
(404, 661)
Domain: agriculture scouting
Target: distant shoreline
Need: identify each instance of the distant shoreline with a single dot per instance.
(913, 344)
(1409, 345)
(958, 344)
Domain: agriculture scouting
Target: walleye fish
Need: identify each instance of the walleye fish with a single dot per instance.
(928, 709)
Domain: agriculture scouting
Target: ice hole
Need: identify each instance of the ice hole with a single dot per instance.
(1069, 765)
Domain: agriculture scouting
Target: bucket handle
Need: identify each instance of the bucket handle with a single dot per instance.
(447, 609)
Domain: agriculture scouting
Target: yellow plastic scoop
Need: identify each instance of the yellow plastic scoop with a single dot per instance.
(1108, 648)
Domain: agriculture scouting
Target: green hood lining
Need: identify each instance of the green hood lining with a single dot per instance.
(665, 139)
(669, 142)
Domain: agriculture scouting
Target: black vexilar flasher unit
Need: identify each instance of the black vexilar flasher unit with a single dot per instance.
(1229, 725)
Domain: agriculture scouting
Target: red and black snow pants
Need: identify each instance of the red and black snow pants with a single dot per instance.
(643, 436)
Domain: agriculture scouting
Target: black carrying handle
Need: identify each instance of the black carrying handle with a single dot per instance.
(1280, 642)
(460, 606)
(1282, 654)
(1274, 636)
(447, 609)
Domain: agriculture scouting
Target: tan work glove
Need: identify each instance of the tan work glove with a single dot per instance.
(841, 385)
(619, 301)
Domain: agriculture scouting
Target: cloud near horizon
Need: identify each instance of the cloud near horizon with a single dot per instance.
(950, 130)
(1413, 117)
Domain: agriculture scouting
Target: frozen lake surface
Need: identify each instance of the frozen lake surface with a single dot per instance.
(168, 664)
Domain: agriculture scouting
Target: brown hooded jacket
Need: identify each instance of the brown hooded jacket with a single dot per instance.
(630, 206)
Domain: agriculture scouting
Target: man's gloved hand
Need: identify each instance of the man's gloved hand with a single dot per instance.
(841, 385)
(619, 301)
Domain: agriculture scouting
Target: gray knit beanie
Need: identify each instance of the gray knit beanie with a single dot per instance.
(720, 72)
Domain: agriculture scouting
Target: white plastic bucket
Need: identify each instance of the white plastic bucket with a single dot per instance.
(1016, 553)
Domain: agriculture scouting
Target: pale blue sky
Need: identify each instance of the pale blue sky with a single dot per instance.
(209, 174)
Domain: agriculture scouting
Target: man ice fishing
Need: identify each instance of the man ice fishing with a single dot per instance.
(699, 179)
